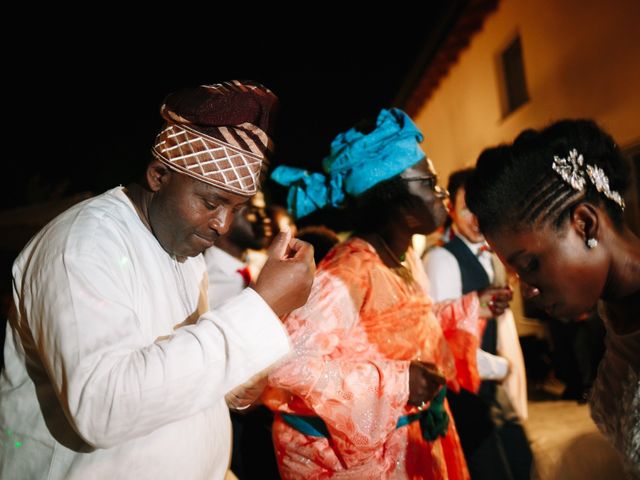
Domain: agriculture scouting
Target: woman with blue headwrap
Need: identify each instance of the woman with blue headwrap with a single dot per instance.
(362, 396)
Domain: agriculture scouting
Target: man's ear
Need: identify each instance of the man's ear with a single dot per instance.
(157, 174)
(449, 205)
(585, 221)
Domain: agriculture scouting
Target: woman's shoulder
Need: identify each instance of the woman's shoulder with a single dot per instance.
(354, 254)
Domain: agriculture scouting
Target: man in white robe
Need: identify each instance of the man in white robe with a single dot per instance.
(115, 366)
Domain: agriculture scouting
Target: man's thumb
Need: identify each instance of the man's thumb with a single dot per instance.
(278, 247)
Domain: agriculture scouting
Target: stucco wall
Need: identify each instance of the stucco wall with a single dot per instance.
(581, 59)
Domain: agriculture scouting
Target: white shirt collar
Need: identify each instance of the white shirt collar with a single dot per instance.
(474, 247)
(222, 260)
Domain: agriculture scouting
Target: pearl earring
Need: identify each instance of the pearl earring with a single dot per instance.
(592, 243)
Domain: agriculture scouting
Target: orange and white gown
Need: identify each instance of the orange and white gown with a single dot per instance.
(352, 345)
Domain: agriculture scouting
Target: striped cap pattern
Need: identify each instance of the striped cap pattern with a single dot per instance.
(219, 134)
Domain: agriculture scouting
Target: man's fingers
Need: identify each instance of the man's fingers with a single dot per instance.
(300, 250)
(278, 247)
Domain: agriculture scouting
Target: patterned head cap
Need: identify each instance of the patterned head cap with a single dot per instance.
(219, 134)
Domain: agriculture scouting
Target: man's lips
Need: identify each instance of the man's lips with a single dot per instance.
(207, 240)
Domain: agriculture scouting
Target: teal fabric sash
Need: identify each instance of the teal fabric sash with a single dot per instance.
(434, 421)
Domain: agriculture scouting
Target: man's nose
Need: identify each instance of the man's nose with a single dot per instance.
(221, 219)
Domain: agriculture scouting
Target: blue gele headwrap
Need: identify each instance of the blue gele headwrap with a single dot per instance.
(357, 162)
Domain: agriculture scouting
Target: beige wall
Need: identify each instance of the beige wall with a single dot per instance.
(581, 59)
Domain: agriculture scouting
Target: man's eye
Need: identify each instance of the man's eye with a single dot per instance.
(209, 206)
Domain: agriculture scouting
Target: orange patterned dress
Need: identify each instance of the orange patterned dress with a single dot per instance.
(352, 345)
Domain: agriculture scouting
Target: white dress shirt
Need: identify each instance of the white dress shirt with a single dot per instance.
(445, 283)
(115, 366)
(224, 279)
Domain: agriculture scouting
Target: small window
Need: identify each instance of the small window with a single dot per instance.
(514, 82)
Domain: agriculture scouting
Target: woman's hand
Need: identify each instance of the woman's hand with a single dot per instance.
(425, 380)
(494, 301)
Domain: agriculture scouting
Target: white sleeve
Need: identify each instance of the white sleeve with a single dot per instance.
(509, 348)
(445, 281)
(223, 286)
(491, 367)
(224, 279)
(112, 383)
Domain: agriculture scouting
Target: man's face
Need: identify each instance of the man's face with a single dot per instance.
(187, 215)
(465, 221)
(251, 228)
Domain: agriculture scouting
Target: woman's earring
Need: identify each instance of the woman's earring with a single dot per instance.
(592, 243)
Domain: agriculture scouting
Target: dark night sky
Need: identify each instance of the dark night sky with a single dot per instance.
(87, 97)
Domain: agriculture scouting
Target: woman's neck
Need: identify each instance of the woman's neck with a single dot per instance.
(624, 272)
(391, 244)
(622, 291)
(623, 314)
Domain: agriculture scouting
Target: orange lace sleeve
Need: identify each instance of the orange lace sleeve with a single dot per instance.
(462, 327)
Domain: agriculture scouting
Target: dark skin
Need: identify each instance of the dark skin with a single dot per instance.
(187, 216)
(566, 278)
(251, 229)
(425, 214)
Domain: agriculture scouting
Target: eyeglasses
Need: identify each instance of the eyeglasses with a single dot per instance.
(430, 182)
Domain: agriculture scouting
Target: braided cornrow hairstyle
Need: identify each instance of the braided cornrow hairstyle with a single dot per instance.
(515, 186)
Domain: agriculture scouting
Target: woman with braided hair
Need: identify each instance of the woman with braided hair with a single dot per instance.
(551, 205)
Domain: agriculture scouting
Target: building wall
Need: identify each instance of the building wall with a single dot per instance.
(581, 59)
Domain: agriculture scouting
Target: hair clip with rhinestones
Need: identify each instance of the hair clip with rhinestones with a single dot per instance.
(575, 172)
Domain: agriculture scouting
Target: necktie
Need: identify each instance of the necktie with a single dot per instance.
(246, 275)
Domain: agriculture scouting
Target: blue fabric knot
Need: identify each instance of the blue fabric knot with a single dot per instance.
(308, 191)
(356, 162)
